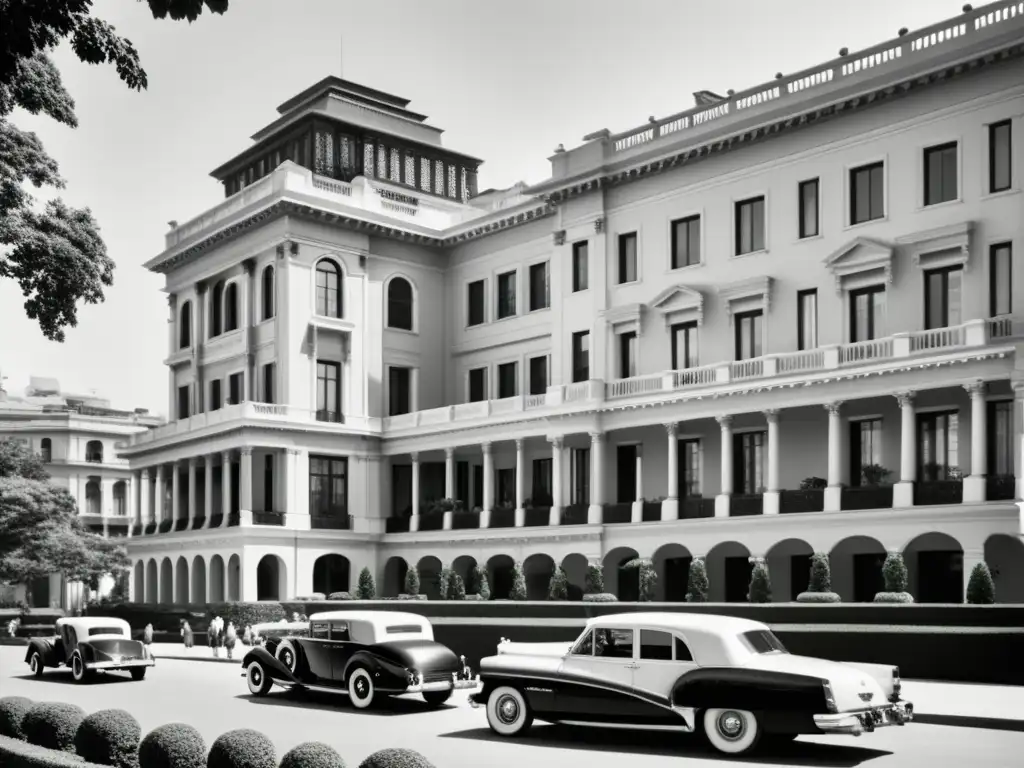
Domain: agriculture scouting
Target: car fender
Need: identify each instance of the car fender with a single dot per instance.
(749, 689)
(45, 648)
(387, 674)
(86, 651)
(273, 667)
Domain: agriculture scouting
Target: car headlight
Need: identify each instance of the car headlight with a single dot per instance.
(830, 699)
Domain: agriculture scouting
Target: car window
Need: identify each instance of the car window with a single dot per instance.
(584, 646)
(682, 651)
(72, 638)
(361, 632)
(339, 631)
(105, 631)
(614, 643)
(763, 641)
(319, 630)
(655, 645)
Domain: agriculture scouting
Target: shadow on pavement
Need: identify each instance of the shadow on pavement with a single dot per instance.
(679, 745)
(965, 721)
(333, 701)
(59, 676)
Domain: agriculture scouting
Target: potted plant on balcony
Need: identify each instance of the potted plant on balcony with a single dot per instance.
(875, 475)
(894, 571)
(819, 590)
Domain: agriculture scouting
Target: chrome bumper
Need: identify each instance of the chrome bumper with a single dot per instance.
(856, 723)
(444, 685)
(121, 664)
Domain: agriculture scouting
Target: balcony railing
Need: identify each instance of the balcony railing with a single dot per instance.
(696, 507)
(1000, 488)
(537, 516)
(331, 522)
(928, 492)
(397, 524)
(432, 521)
(618, 513)
(575, 514)
(865, 497)
(651, 512)
(268, 518)
(462, 521)
(744, 505)
(805, 500)
(503, 517)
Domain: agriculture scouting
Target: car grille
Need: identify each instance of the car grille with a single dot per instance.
(437, 677)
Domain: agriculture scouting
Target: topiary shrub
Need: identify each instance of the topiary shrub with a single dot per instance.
(396, 758)
(456, 588)
(819, 589)
(412, 580)
(339, 596)
(12, 712)
(518, 591)
(175, 745)
(312, 754)
(981, 589)
(109, 737)
(647, 578)
(483, 585)
(894, 571)
(52, 725)
(366, 589)
(760, 590)
(594, 582)
(15, 753)
(558, 587)
(601, 597)
(444, 579)
(697, 585)
(242, 748)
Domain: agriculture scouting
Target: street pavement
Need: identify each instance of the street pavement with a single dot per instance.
(213, 698)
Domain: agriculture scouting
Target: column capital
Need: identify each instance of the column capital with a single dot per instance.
(201, 287)
(672, 429)
(449, 453)
(193, 461)
(160, 469)
(208, 459)
(906, 399)
(976, 389)
(557, 441)
(245, 451)
(833, 408)
(595, 437)
(724, 421)
(415, 456)
(226, 456)
(294, 451)
(249, 265)
(520, 443)
(772, 415)
(144, 473)
(485, 448)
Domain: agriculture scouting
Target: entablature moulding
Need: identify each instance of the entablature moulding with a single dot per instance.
(680, 304)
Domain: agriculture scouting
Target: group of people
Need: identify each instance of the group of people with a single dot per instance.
(218, 635)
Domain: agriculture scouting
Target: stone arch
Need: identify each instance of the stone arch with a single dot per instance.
(329, 287)
(139, 582)
(166, 582)
(728, 564)
(152, 582)
(271, 578)
(624, 583)
(429, 568)
(789, 567)
(1005, 557)
(234, 578)
(856, 566)
(463, 565)
(672, 564)
(538, 569)
(198, 594)
(499, 574)
(217, 594)
(331, 573)
(575, 567)
(395, 570)
(400, 303)
(935, 568)
(181, 581)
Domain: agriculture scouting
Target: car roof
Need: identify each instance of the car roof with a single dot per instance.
(281, 625)
(378, 619)
(93, 622)
(706, 622)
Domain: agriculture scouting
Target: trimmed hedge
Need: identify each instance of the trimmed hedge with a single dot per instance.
(109, 737)
(601, 597)
(396, 758)
(15, 753)
(53, 725)
(175, 745)
(312, 754)
(12, 712)
(242, 748)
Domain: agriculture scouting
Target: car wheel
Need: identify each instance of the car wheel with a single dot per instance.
(78, 669)
(257, 679)
(732, 731)
(286, 655)
(508, 714)
(35, 664)
(360, 688)
(137, 673)
(437, 698)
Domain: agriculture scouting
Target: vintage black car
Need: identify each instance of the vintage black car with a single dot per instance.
(87, 645)
(367, 654)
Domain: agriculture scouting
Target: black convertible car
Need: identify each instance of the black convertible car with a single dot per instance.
(366, 654)
(87, 645)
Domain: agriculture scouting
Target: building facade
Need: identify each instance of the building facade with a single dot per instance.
(783, 321)
(75, 435)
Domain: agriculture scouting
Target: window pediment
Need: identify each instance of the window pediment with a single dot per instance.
(857, 257)
(942, 247)
(752, 289)
(624, 319)
(677, 301)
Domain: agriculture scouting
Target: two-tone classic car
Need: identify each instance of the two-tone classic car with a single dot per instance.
(368, 655)
(89, 644)
(728, 677)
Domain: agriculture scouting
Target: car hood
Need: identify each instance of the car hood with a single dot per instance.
(534, 649)
(421, 655)
(847, 682)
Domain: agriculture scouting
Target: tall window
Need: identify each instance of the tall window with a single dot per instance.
(399, 390)
(943, 300)
(268, 482)
(1000, 275)
(581, 356)
(400, 304)
(477, 385)
(685, 352)
(506, 485)
(748, 462)
(183, 402)
(865, 448)
(506, 295)
(217, 310)
(475, 293)
(328, 391)
(867, 313)
(216, 395)
(689, 467)
(46, 450)
(185, 326)
(750, 225)
(748, 334)
(807, 319)
(1000, 156)
(937, 444)
(328, 486)
(807, 194)
(627, 355)
(686, 242)
(867, 195)
(627, 258)
(268, 383)
(542, 474)
(540, 289)
(328, 289)
(580, 266)
(579, 489)
(267, 293)
(231, 307)
(1000, 438)
(94, 452)
(508, 380)
(940, 183)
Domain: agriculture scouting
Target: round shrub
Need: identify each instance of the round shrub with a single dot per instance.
(175, 745)
(396, 758)
(339, 596)
(818, 597)
(242, 748)
(109, 737)
(981, 589)
(312, 754)
(602, 597)
(12, 711)
(53, 725)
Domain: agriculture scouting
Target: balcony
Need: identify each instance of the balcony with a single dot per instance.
(804, 500)
(338, 522)
(865, 497)
(268, 518)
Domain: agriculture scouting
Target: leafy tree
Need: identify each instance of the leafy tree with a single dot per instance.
(56, 254)
(647, 578)
(697, 586)
(894, 571)
(594, 583)
(444, 579)
(366, 589)
(483, 587)
(518, 591)
(981, 589)
(16, 460)
(558, 587)
(760, 584)
(412, 580)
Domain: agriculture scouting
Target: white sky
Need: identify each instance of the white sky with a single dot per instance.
(507, 81)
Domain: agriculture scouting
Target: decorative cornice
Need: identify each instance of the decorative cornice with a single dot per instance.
(905, 399)
(559, 237)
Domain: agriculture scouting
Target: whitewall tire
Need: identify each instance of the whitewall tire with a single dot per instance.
(508, 714)
(78, 670)
(286, 655)
(35, 664)
(257, 679)
(360, 688)
(732, 731)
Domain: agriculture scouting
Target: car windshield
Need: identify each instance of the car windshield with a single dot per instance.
(105, 631)
(763, 641)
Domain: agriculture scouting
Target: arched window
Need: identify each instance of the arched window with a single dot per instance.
(92, 497)
(400, 304)
(328, 289)
(185, 326)
(94, 451)
(267, 293)
(231, 307)
(46, 450)
(217, 310)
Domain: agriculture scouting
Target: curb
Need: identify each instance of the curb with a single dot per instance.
(206, 659)
(967, 721)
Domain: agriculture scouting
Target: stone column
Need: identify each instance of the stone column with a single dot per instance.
(193, 491)
(158, 496)
(145, 511)
(130, 506)
(670, 506)
(555, 515)
(207, 490)
(974, 484)
(903, 491)
(247, 322)
(225, 488)
(725, 491)
(637, 512)
(485, 513)
(972, 557)
(449, 473)
(414, 523)
(771, 497)
(521, 483)
(1018, 437)
(245, 486)
(199, 336)
(175, 494)
(834, 490)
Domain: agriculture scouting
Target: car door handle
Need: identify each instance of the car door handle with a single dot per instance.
(632, 666)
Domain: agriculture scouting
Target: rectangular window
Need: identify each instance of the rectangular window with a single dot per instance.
(475, 293)
(538, 375)
(1000, 156)
(689, 467)
(1000, 276)
(399, 390)
(540, 288)
(627, 258)
(184, 410)
(235, 388)
(940, 183)
(540, 494)
(215, 395)
(1000, 438)
(477, 385)
(748, 334)
(686, 242)
(750, 225)
(749, 455)
(328, 486)
(581, 356)
(506, 486)
(867, 313)
(685, 352)
(508, 380)
(865, 448)
(506, 295)
(937, 444)
(580, 266)
(627, 355)
(462, 482)
(579, 490)
(268, 482)
(943, 297)
(268, 382)
(867, 196)
(807, 319)
(808, 194)
(328, 391)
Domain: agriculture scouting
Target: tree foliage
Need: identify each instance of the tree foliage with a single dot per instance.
(760, 590)
(518, 591)
(697, 585)
(558, 587)
(483, 587)
(594, 581)
(412, 580)
(56, 254)
(366, 589)
(821, 573)
(981, 589)
(894, 571)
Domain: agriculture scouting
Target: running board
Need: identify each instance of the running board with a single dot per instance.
(626, 726)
